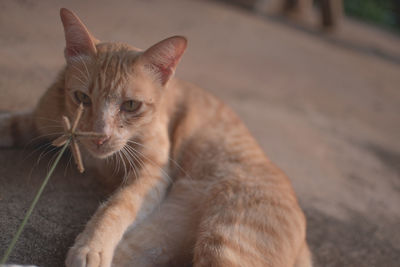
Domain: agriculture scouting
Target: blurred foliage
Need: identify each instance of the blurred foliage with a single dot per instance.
(385, 13)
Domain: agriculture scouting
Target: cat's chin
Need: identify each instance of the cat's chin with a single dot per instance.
(103, 156)
(100, 153)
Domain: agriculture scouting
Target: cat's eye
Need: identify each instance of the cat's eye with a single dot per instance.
(131, 106)
(83, 98)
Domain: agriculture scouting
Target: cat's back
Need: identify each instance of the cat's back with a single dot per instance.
(208, 135)
(201, 117)
(202, 111)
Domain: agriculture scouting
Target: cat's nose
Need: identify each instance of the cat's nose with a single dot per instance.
(100, 141)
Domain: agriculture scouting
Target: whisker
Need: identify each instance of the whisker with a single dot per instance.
(47, 119)
(49, 127)
(43, 155)
(137, 158)
(132, 163)
(43, 135)
(53, 157)
(144, 167)
(123, 151)
(169, 158)
(45, 146)
(115, 163)
(154, 164)
(67, 165)
(136, 151)
(123, 162)
(119, 165)
(125, 178)
(132, 152)
(166, 175)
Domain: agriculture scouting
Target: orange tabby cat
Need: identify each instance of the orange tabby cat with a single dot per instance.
(194, 188)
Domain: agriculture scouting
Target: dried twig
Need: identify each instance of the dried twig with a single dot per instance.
(70, 133)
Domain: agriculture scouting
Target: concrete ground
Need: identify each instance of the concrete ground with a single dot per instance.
(325, 109)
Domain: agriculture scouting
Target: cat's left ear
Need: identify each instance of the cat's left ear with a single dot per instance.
(162, 58)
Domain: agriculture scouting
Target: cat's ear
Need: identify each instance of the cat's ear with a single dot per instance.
(78, 39)
(162, 58)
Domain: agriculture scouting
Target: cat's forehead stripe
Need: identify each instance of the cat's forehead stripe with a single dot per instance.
(112, 73)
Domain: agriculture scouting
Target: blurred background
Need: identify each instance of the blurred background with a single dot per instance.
(384, 13)
(316, 82)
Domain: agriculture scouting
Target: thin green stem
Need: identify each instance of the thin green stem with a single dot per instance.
(35, 200)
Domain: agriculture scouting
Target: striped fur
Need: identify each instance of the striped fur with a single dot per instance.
(191, 186)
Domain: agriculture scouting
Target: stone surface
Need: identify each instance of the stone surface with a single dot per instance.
(324, 108)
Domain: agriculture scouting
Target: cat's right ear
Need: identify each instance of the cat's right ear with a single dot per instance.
(78, 39)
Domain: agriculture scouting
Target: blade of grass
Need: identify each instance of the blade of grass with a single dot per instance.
(33, 204)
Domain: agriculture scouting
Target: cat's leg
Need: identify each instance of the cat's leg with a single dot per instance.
(249, 224)
(16, 129)
(131, 203)
(167, 236)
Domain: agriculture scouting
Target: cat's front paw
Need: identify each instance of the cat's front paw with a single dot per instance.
(89, 255)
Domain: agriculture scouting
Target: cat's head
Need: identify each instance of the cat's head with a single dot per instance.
(120, 86)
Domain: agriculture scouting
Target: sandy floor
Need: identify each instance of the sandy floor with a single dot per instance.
(325, 109)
